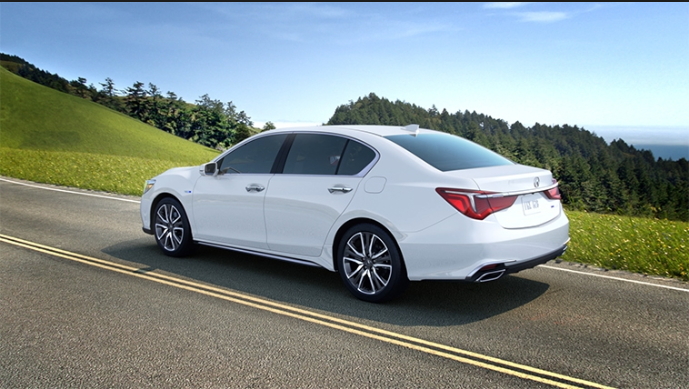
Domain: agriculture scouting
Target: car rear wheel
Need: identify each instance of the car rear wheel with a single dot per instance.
(370, 264)
(171, 226)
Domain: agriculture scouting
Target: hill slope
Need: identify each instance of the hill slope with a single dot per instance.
(49, 136)
(35, 117)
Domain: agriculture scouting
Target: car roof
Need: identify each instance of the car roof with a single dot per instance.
(375, 130)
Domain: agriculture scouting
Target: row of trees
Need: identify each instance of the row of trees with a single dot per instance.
(593, 175)
(208, 122)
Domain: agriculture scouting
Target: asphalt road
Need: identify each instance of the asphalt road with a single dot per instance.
(97, 305)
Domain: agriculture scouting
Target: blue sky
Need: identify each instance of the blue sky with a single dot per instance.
(597, 65)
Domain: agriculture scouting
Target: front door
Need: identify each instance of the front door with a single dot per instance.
(228, 207)
(228, 210)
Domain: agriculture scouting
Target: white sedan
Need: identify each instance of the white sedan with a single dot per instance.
(381, 205)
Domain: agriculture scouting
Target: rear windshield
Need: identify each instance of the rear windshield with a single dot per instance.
(447, 152)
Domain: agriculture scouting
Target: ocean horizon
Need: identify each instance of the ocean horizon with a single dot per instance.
(673, 152)
(663, 141)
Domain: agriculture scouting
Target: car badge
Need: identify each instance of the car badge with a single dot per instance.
(536, 182)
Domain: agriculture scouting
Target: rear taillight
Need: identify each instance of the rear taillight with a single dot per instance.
(554, 193)
(475, 204)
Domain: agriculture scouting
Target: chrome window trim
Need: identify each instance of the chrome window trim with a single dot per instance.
(362, 173)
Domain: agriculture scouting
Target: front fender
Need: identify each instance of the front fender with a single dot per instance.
(178, 183)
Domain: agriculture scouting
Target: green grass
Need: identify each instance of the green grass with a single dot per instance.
(640, 245)
(109, 173)
(52, 137)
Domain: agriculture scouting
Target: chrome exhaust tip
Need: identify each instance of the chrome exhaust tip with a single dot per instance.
(490, 276)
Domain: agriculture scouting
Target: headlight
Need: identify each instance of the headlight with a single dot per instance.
(149, 185)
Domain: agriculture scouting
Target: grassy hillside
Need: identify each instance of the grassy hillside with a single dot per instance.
(49, 136)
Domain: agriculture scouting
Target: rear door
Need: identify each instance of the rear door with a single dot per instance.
(320, 177)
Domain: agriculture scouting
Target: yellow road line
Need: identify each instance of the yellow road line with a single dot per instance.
(441, 350)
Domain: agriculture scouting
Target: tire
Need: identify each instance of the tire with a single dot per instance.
(171, 228)
(370, 264)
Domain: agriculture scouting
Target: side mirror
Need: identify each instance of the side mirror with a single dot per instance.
(209, 169)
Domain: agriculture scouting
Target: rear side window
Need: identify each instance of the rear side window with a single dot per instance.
(325, 154)
(314, 154)
(447, 152)
(355, 158)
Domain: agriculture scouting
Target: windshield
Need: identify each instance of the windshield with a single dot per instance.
(447, 152)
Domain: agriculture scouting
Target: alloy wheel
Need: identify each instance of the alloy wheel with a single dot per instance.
(169, 227)
(367, 263)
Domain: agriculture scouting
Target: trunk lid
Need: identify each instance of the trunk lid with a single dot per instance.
(532, 207)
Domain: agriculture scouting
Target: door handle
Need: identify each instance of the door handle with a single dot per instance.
(339, 189)
(254, 188)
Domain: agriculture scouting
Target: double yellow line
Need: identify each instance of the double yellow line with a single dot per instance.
(441, 350)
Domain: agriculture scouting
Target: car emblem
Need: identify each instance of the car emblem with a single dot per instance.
(536, 182)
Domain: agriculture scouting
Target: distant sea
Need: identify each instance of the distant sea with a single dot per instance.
(663, 142)
(666, 151)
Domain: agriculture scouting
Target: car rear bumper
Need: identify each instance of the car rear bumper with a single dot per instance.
(493, 272)
(519, 266)
(480, 251)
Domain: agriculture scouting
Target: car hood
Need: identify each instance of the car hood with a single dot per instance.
(182, 171)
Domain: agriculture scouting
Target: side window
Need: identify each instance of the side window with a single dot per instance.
(355, 158)
(314, 154)
(255, 157)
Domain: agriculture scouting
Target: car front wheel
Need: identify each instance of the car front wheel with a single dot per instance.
(370, 264)
(171, 226)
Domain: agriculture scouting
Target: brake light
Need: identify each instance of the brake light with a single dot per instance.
(475, 204)
(554, 193)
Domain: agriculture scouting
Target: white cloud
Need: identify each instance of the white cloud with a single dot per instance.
(506, 5)
(320, 11)
(543, 16)
(534, 16)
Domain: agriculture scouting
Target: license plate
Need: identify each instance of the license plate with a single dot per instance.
(530, 205)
